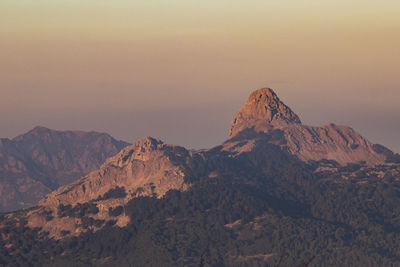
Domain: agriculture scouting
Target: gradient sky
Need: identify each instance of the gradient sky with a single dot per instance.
(179, 69)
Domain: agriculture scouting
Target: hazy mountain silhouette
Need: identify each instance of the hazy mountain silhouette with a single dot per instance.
(39, 161)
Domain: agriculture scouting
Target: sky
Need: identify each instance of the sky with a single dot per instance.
(180, 69)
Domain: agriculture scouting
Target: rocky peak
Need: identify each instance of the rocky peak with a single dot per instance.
(149, 167)
(148, 144)
(38, 131)
(263, 111)
(140, 150)
(149, 164)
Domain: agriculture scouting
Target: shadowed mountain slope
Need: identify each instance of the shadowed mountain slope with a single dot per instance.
(36, 163)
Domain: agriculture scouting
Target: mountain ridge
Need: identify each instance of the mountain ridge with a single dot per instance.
(45, 159)
(280, 185)
(151, 168)
(37, 162)
(264, 112)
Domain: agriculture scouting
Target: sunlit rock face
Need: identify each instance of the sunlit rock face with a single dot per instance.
(149, 167)
(265, 112)
(262, 112)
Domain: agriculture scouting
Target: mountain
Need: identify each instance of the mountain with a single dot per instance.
(254, 200)
(265, 112)
(41, 160)
(147, 168)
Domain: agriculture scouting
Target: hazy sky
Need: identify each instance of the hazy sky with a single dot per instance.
(179, 69)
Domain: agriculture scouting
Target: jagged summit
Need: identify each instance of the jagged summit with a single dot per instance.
(140, 150)
(263, 111)
(149, 143)
(149, 164)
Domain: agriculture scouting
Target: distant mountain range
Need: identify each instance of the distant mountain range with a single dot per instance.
(41, 160)
(324, 194)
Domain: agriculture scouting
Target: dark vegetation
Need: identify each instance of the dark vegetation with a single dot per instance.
(117, 192)
(79, 210)
(390, 156)
(116, 211)
(261, 204)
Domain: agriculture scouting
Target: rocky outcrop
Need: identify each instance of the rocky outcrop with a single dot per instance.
(265, 112)
(332, 142)
(147, 168)
(36, 163)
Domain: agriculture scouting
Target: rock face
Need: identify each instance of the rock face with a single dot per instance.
(332, 142)
(147, 168)
(264, 112)
(36, 163)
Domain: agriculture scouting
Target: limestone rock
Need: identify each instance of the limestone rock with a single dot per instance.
(263, 111)
(147, 168)
(332, 142)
